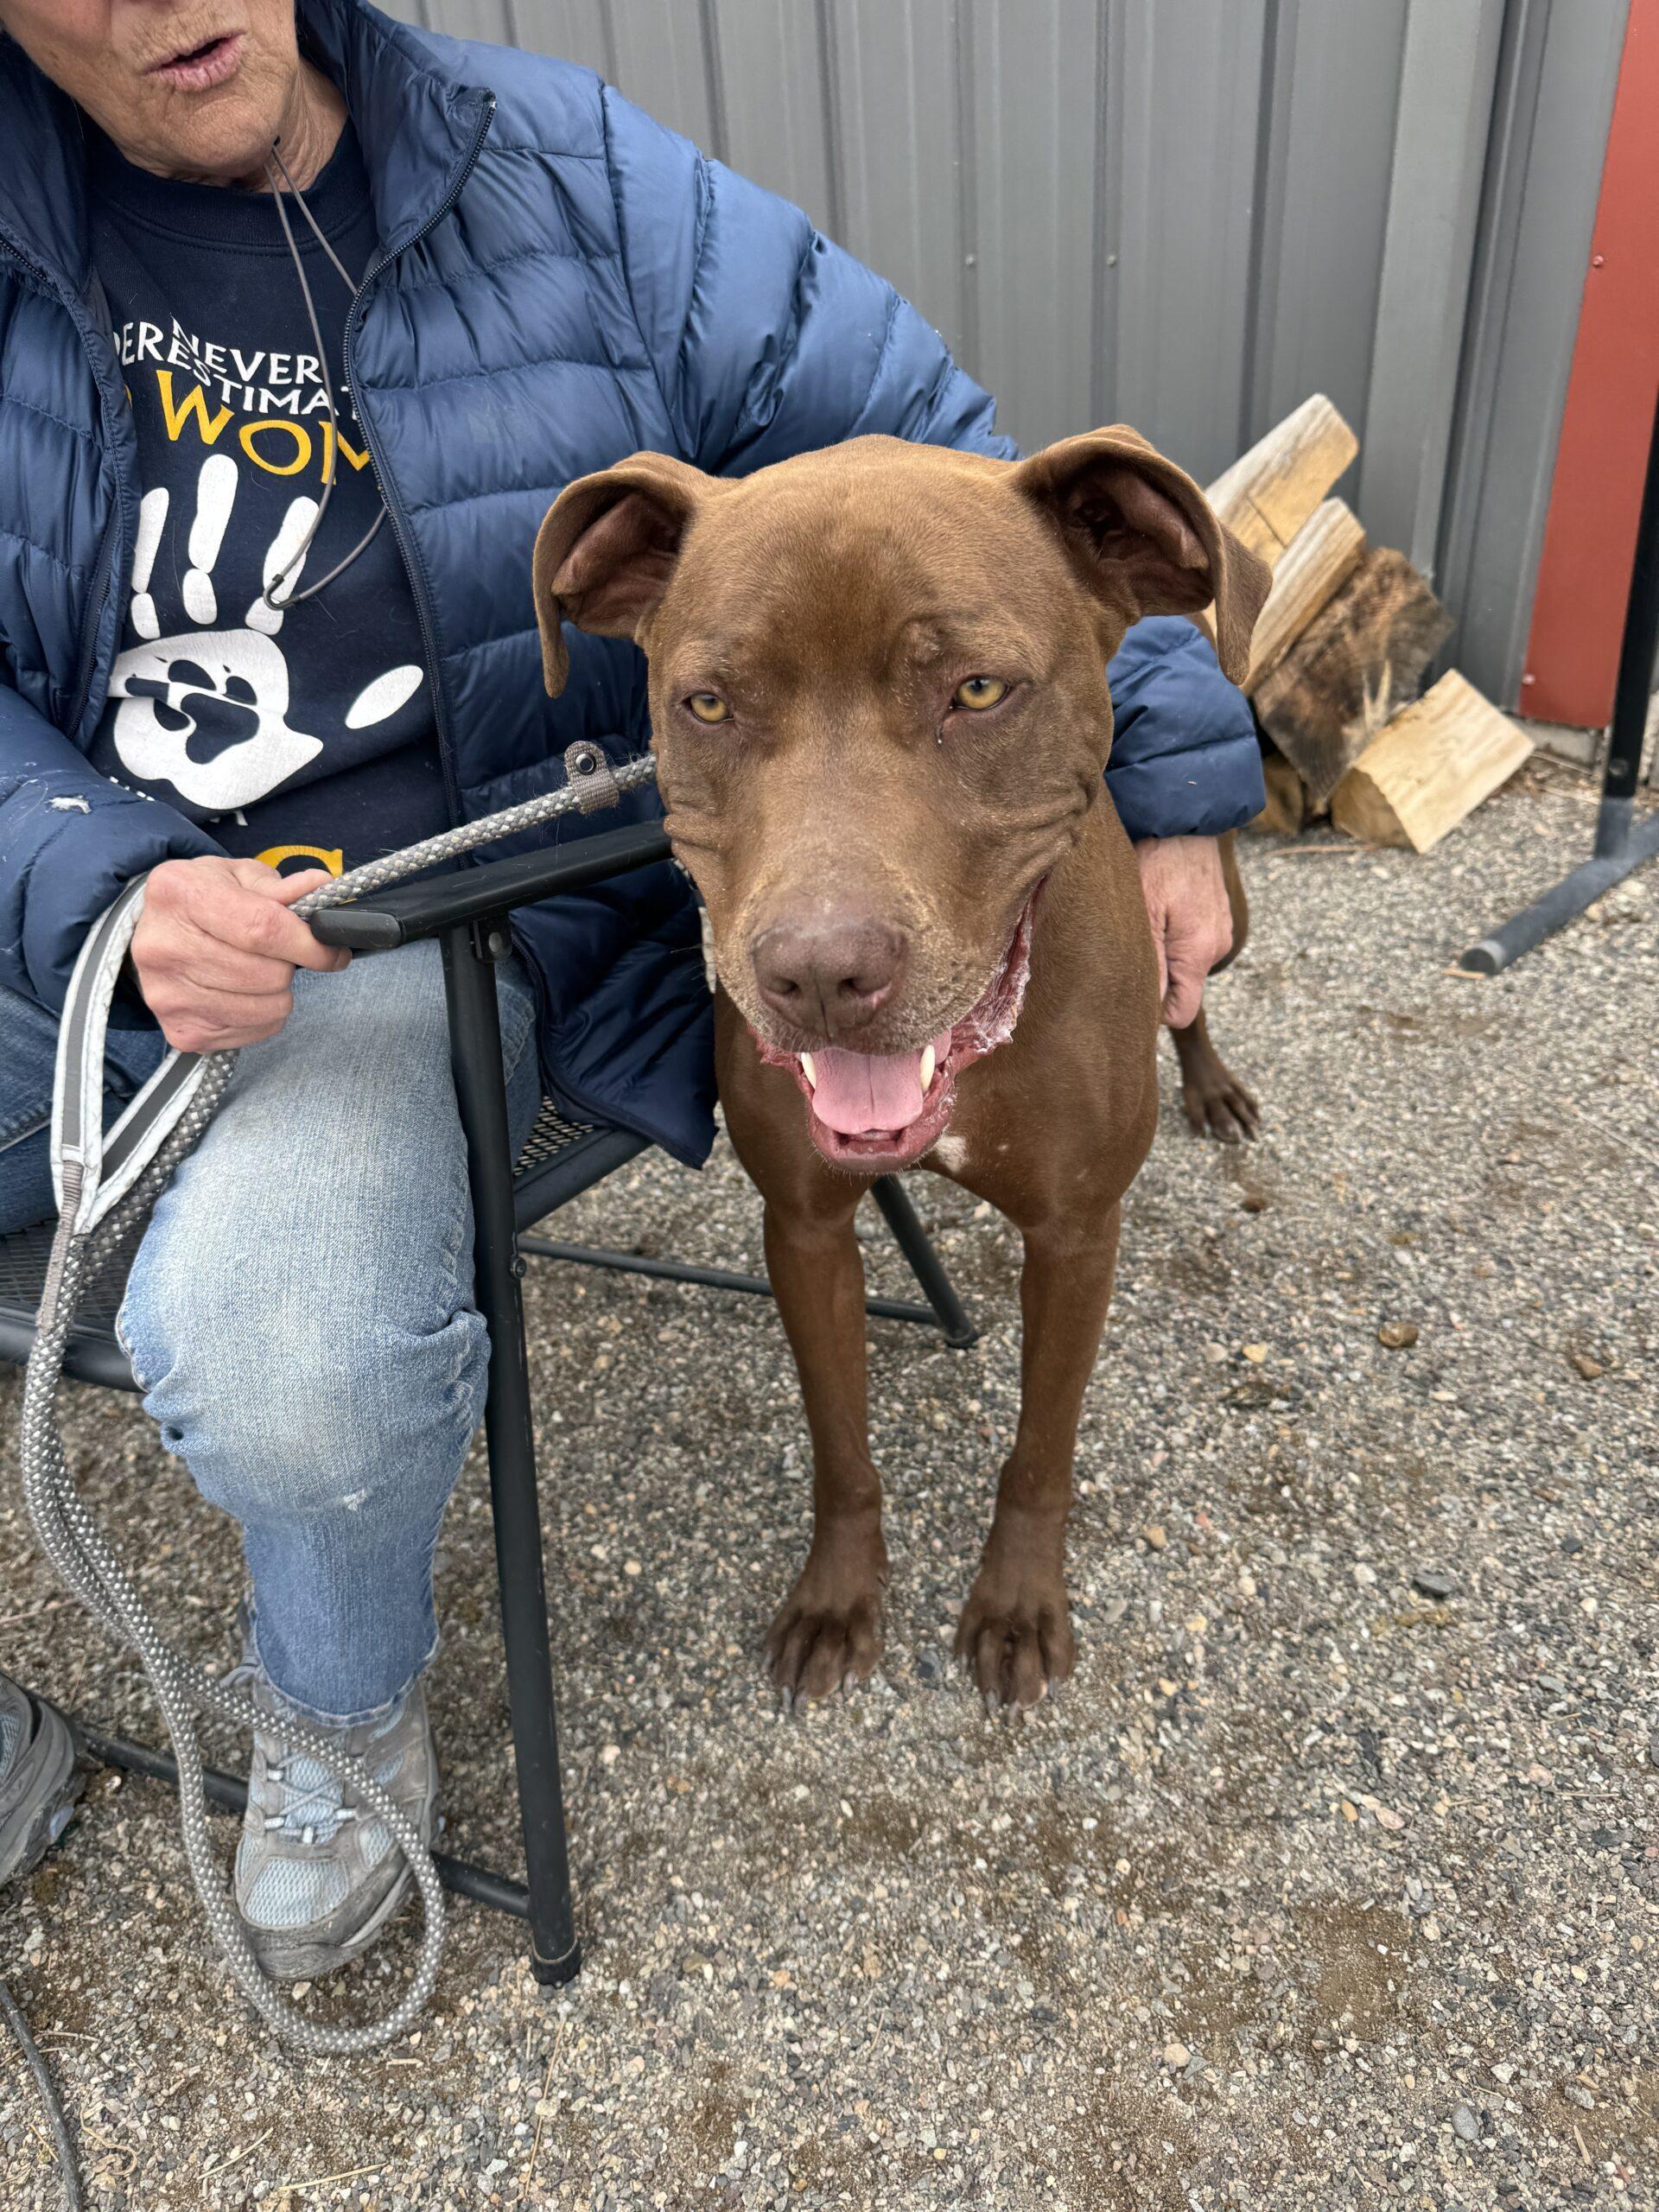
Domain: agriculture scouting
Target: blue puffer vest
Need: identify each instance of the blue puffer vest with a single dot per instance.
(563, 282)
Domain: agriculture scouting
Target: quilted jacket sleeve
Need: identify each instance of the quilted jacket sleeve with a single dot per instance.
(69, 839)
(1186, 762)
(767, 340)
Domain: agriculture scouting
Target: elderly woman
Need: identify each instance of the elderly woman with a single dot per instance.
(303, 325)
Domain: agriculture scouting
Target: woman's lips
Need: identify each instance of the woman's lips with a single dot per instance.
(203, 66)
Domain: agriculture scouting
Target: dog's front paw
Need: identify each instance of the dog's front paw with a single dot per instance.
(827, 1633)
(1014, 1636)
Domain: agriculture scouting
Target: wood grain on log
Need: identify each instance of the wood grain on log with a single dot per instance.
(1286, 807)
(1359, 661)
(1269, 491)
(1432, 765)
(1322, 554)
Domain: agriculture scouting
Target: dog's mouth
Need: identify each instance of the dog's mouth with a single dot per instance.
(875, 1111)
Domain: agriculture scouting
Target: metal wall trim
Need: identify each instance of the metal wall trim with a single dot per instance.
(1187, 214)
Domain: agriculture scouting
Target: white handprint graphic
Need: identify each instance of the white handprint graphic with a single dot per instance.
(207, 709)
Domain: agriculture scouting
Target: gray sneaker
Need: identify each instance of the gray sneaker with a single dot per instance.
(317, 1878)
(38, 1780)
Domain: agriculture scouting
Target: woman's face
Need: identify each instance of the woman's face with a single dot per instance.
(188, 88)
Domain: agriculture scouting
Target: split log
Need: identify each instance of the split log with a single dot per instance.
(1431, 766)
(1286, 807)
(1359, 661)
(1322, 556)
(1269, 491)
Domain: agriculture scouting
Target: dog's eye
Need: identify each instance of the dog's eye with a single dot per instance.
(708, 706)
(978, 692)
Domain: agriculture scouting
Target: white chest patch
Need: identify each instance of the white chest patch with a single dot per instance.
(951, 1152)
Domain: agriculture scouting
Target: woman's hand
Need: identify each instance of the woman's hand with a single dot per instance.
(216, 948)
(1192, 921)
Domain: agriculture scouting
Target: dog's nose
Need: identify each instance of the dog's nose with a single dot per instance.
(830, 976)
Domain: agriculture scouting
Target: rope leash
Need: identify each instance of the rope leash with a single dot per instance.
(106, 1184)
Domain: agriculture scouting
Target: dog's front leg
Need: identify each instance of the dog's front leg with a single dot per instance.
(827, 1632)
(1015, 1632)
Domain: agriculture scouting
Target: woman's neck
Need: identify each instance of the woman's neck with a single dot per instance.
(310, 129)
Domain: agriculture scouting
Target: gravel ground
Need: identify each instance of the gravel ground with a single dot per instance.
(1331, 1880)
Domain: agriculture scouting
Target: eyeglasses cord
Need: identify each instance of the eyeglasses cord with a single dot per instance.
(296, 559)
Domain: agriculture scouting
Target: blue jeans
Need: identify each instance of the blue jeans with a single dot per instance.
(300, 1315)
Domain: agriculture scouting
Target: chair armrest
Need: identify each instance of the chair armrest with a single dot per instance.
(409, 911)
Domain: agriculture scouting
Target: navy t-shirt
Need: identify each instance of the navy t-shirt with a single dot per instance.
(304, 738)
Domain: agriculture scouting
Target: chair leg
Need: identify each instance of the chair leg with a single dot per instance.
(925, 1262)
(480, 1092)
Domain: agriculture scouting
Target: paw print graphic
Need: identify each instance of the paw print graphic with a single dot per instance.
(207, 709)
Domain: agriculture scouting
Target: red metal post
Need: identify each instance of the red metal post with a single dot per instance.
(1583, 575)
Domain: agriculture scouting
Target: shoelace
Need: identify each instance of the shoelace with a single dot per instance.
(330, 1801)
(336, 1815)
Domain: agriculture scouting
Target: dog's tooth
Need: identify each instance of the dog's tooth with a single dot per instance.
(929, 1063)
(809, 1070)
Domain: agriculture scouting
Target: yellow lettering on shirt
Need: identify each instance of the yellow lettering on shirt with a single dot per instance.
(250, 433)
(294, 450)
(333, 858)
(175, 416)
(330, 437)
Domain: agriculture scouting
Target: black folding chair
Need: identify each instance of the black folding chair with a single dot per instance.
(467, 911)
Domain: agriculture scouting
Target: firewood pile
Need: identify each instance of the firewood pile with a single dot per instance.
(1338, 656)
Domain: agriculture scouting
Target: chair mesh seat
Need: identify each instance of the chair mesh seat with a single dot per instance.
(23, 1256)
(551, 1136)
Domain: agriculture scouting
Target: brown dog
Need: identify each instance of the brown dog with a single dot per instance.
(880, 717)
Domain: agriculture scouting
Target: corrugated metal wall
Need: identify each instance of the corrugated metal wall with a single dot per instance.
(1188, 214)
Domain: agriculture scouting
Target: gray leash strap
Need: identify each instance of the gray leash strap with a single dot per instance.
(106, 1184)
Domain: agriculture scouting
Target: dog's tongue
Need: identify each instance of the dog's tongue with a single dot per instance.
(858, 1092)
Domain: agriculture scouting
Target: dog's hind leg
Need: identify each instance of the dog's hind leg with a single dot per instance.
(1214, 1099)
(1015, 1636)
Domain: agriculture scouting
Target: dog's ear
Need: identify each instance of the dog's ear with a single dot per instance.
(1143, 537)
(607, 548)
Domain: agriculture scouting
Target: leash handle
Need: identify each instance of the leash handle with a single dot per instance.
(92, 1170)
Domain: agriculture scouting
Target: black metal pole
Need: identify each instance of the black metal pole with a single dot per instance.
(925, 1262)
(1635, 660)
(469, 951)
(1621, 845)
